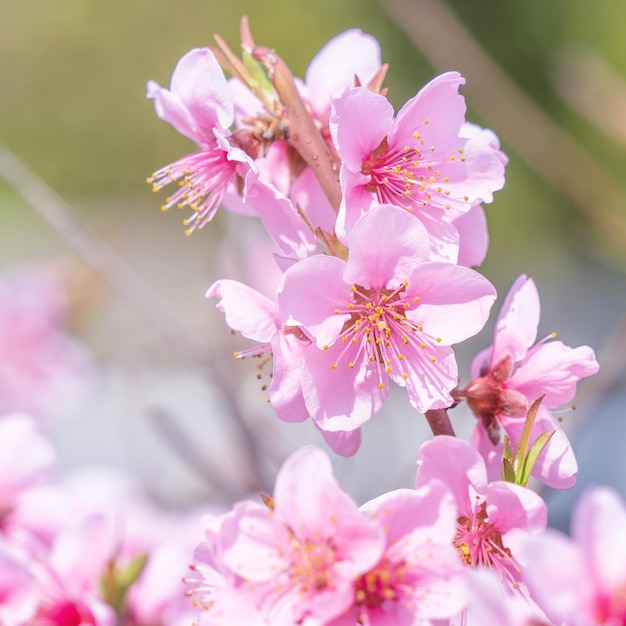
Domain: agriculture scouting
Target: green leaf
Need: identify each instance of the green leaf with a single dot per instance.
(507, 472)
(534, 452)
(258, 77)
(525, 439)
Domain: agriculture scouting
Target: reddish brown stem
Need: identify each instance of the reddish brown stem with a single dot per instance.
(304, 135)
(439, 422)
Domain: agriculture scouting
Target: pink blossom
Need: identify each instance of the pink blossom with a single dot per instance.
(424, 160)
(351, 55)
(199, 105)
(582, 581)
(385, 313)
(513, 373)
(491, 515)
(26, 459)
(43, 370)
(419, 577)
(257, 317)
(296, 560)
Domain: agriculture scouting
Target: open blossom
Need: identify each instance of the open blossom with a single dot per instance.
(491, 515)
(294, 561)
(424, 160)
(199, 105)
(419, 578)
(582, 581)
(386, 313)
(512, 373)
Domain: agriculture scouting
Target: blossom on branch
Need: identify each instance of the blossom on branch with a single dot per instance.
(386, 313)
(424, 160)
(513, 373)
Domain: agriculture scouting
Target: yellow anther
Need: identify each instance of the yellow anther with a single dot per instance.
(432, 359)
(381, 385)
(438, 340)
(416, 299)
(337, 311)
(422, 345)
(350, 365)
(325, 347)
(334, 366)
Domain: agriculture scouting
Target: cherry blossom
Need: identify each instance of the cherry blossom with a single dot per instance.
(512, 373)
(388, 312)
(199, 105)
(419, 577)
(423, 160)
(296, 559)
(582, 581)
(491, 515)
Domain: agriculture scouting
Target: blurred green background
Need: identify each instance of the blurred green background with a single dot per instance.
(73, 104)
(73, 108)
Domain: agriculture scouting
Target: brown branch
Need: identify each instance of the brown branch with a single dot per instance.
(439, 422)
(304, 135)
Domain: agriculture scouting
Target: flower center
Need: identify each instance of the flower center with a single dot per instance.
(480, 545)
(378, 329)
(382, 584)
(203, 178)
(411, 173)
(311, 564)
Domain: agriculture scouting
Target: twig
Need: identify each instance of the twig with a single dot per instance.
(439, 422)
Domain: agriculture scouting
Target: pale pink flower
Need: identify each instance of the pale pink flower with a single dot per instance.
(491, 515)
(388, 312)
(419, 577)
(199, 105)
(257, 317)
(350, 56)
(424, 160)
(44, 371)
(26, 459)
(582, 581)
(512, 373)
(298, 559)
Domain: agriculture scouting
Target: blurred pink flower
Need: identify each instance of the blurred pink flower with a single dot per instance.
(43, 370)
(512, 373)
(26, 459)
(582, 581)
(295, 561)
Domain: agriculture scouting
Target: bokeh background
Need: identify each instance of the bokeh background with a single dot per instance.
(548, 77)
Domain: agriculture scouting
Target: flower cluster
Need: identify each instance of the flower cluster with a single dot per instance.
(377, 224)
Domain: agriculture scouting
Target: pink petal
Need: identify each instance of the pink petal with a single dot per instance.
(344, 443)
(473, 236)
(454, 462)
(198, 80)
(373, 262)
(310, 293)
(341, 399)
(346, 56)
(599, 527)
(280, 218)
(359, 121)
(439, 102)
(246, 310)
(288, 375)
(432, 375)
(516, 327)
(454, 301)
(553, 369)
(512, 507)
